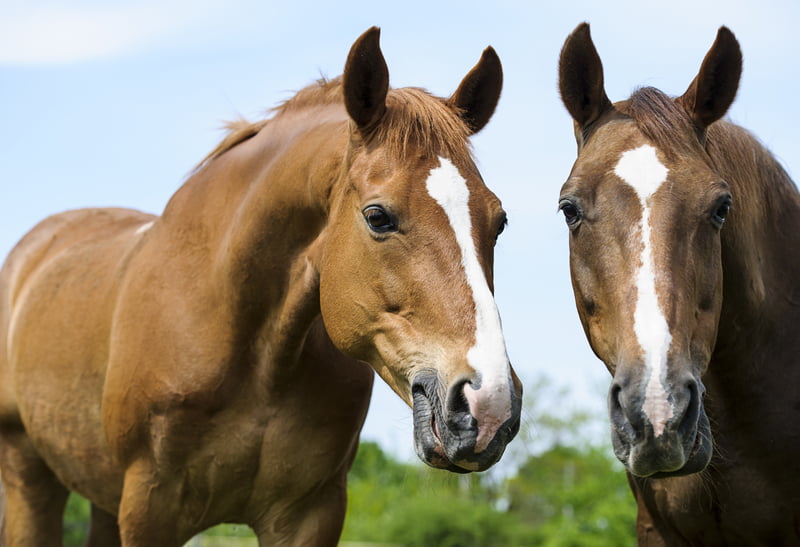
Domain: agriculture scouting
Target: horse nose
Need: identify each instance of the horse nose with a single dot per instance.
(483, 413)
(655, 435)
(677, 411)
(464, 426)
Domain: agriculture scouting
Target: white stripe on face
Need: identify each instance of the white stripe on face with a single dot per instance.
(491, 403)
(144, 227)
(641, 169)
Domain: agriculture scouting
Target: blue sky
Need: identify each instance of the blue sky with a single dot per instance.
(113, 103)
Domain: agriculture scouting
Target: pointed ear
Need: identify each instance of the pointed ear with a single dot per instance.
(366, 80)
(477, 94)
(712, 91)
(580, 78)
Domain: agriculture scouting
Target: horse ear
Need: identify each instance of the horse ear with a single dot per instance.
(477, 94)
(580, 78)
(712, 91)
(366, 80)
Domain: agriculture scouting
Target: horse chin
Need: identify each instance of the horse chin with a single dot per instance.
(698, 460)
(699, 455)
(434, 456)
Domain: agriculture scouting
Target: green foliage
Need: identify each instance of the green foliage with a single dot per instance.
(76, 521)
(562, 488)
(566, 496)
(412, 505)
(568, 485)
(230, 531)
(574, 496)
(452, 522)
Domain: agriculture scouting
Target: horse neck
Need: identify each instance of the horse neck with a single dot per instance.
(256, 213)
(760, 254)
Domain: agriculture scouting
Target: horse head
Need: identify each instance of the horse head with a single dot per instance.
(645, 210)
(406, 280)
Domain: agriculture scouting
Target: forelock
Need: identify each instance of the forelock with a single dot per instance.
(414, 120)
(662, 120)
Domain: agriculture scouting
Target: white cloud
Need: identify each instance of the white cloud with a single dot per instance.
(45, 32)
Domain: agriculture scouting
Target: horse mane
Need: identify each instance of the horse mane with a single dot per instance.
(413, 118)
(760, 181)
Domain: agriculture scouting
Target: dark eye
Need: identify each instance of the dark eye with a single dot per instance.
(378, 219)
(721, 212)
(571, 213)
(502, 227)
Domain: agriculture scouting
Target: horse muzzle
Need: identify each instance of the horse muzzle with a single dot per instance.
(678, 445)
(449, 434)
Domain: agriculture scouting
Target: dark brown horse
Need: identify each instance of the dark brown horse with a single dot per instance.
(210, 365)
(684, 255)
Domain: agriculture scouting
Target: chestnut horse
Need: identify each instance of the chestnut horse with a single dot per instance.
(215, 364)
(684, 235)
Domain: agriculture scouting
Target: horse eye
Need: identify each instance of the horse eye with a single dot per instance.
(571, 213)
(722, 210)
(378, 219)
(502, 227)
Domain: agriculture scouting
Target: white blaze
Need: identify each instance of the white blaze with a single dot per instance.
(488, 356)
(641, 169)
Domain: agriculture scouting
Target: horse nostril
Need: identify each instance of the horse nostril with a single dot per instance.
(456, 400)
(458, 411)
(689, 412)
(614, 404)
(621, 421)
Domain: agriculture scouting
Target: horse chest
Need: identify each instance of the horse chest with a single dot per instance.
(716, 508)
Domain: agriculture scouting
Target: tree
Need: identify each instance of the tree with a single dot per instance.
(412, 505)
(568, 485)
(574, 496)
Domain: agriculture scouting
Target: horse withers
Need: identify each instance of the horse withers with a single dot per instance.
(215, 364)
(684, 235)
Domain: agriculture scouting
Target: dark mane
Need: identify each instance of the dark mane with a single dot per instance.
(662, 120)
(413, 118)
